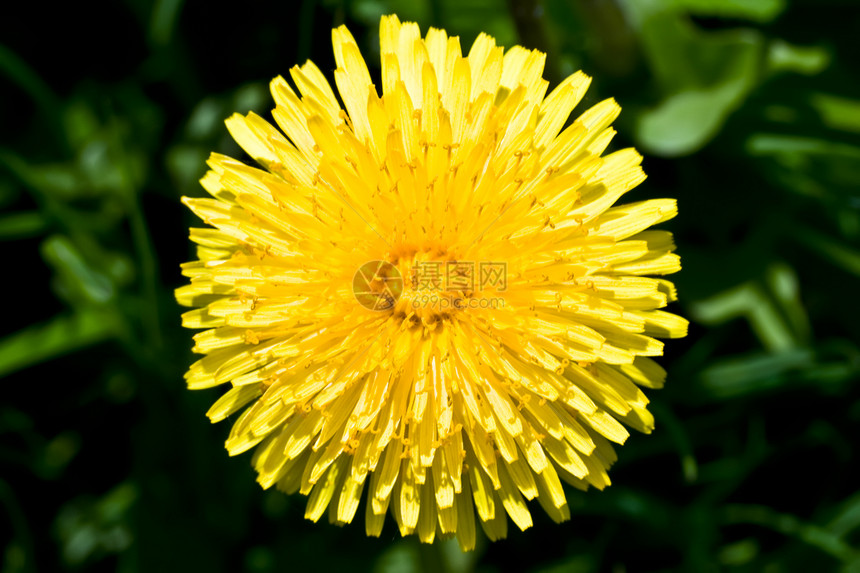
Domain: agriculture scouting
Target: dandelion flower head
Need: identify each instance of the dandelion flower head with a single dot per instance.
(426, 299)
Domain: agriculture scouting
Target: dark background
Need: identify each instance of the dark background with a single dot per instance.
(747, 111)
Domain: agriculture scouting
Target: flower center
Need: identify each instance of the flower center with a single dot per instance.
(438, 284)
(424, 285)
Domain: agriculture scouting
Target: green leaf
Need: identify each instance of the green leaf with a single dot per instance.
(685, 122)
(206, 119)
(576, 564)
(370, 11)
(254, 96)
(88, 528)
(57, 454)
(80, 123)
(22, 225)
(848, 518)
(187, 164)
(739, 553)
(163, 21)
(467, 18)
(772, 144)
(837, 112)
(680, 439)
(749, 300)
(61, 335)
(401, 557)
(791, 525)
(806, 60)
(704, 76)
(79, 279)
(783, 285)
(28, 80)
(755, 10)
(843, 256)
(61, 180)
(754, 372)
(684, 57)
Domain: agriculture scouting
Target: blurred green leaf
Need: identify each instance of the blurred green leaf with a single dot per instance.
(401, 557)
(89, 528)
(848, 518)
(784, 286)
(756, 10)
(455, 560)
(22, 225)
(120, 387)
(259, 559)
(79, 280)
(370, 11)
(14, 421)
(101, 170)
(787, 524)
(250, 97)
(187, 164)
(684, 57)
(641, 506)
(8, 192)
(21, 74)
(819, 168)
(61, 335)
(206, 119)
(61, 180)
(15, 559)
(824, 369)
(749, 300)
(837, 112)
(80, 122)
(576, 564)
(739, 553)
(664, 416)
(686, 121)
(752, 372)
(704, 76)
(807, 60)
(19, 555)
(843, 256)
(163, 21)
(771, 143)
(58, 453)
(468, 18)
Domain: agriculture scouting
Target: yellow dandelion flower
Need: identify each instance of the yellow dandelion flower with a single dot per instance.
(429, 295)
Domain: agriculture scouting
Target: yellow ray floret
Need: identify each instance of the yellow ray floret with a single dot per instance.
(427, 301)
